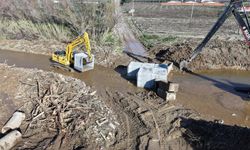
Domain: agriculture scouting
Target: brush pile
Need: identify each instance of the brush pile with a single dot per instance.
(63, 113)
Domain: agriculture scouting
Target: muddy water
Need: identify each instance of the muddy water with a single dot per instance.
(211, 94)
(100, 78)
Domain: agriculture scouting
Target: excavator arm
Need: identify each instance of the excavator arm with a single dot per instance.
(83, 38)
(233, 8)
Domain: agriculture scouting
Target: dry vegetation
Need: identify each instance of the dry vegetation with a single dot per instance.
(55, 19)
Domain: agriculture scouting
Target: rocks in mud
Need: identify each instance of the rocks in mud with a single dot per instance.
(64, 111)
(153, 76)
(166, 95)
(173, 87)
(168, 86)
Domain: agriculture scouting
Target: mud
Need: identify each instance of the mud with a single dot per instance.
(145, 120)
(209, 135)
(216, 55)
(106, 56)
(217, 83)
(213, 95)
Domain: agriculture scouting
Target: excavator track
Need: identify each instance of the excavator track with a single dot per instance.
(61, 66)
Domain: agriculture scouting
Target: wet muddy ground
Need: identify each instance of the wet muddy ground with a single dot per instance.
(213, 95)
(208, 113)
(220, 101)
(147, 121)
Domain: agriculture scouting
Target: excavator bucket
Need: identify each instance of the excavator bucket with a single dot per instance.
(183, 64)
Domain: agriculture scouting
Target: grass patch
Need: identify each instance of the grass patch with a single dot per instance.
(150, 40)
(25, 29)
(111, 40)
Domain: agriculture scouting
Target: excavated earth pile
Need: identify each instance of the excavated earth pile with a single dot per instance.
(209, 135)
(216, 55)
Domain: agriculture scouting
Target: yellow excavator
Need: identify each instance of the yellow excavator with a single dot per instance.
(71, 60)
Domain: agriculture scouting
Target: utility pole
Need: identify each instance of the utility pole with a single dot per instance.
(133, 7)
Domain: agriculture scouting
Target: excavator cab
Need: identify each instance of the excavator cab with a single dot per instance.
(69, 59)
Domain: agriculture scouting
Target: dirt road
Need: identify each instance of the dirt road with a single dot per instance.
(132, 45)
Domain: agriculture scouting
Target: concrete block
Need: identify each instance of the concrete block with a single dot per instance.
(145, 78)
(8, 141)
(170, 96)
(166, 95)
(160, 73)
(170, 67)
(173, 87)
(134, 67)
(165, 66)
(79, 62)
(147, 73)
(14, 122)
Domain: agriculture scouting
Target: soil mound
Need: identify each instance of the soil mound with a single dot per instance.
(217, 55)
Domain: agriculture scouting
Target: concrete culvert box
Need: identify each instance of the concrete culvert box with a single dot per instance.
(148, 73)
(133, 68)
(81, 64)
(145, 78)
(160, 73)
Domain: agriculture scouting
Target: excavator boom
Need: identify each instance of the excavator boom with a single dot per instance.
(233, 8)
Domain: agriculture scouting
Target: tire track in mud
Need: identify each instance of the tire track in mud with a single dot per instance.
(131, 119)
(149, 107)
(128, 128)
(144, 125)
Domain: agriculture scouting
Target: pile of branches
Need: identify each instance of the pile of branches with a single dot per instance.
(63, 112)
